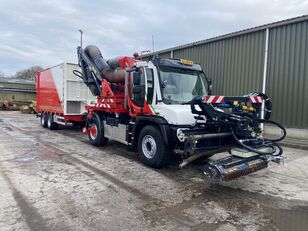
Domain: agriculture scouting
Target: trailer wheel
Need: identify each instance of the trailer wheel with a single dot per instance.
(50, 123)
(96, 133)
(151, 147)
(43, 120)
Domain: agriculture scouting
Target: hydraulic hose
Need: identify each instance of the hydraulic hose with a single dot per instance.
(268, 142)
(278, 125)
(267, 104)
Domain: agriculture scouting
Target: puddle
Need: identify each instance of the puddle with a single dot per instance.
(288, 219)
(40, 155)
(26, 158)
(7, 128)
(49, 155)
(217, 207)
(24, 138)
(27, 138)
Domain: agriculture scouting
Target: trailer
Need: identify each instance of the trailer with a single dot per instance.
(163, 107)
(61, 97)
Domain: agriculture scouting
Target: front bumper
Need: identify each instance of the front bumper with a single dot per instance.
(201, 140)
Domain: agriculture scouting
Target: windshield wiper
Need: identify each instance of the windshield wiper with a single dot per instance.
(188, 102)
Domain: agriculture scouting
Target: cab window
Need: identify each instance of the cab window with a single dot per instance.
(150, 85)
(138, 89)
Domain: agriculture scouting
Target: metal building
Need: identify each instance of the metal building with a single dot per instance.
(272, 58)
(16, 91)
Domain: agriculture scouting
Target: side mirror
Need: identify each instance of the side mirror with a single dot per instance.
(137, 78)
(137, 89)
(209, 86)
(164, 84)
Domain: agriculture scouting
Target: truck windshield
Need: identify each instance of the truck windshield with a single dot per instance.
(181, 85)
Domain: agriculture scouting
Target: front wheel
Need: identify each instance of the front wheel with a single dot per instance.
(151, 147)
(96, 132)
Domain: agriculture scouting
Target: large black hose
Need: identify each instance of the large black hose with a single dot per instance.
(106, 72)
(278, 125)
(267, 142)
(95, 54)
(270, 144)
(113, 62)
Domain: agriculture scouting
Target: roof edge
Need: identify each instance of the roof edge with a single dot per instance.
(233, 34)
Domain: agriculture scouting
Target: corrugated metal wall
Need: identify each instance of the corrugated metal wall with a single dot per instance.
(287, 80)
(235, 65)
(165, 55)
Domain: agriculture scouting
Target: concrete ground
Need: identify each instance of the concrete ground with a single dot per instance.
(55, 180)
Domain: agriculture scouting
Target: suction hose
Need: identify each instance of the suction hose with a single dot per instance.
(268, 142)
(106, 72)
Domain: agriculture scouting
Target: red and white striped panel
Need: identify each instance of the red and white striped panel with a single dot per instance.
(107, 100)
(255, 99)
(106, 103)
(103, 105)
(213, 99)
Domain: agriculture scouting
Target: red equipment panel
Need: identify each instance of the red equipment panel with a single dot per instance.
(113, 94)
(47, 96)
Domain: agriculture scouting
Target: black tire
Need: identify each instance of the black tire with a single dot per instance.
(151, 147)
(96, 132)
(50, 123)
(43, 120)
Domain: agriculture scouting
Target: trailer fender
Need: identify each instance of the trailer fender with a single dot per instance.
(160, 122)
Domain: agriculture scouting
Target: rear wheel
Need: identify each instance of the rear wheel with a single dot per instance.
(96, 132)
(151, 147)
(50, 122)
(43, 120)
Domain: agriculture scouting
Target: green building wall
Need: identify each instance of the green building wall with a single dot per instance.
(235, 63)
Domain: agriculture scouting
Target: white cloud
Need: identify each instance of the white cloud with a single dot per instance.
(46, 32)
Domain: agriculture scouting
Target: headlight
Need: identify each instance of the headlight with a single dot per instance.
(179, 133)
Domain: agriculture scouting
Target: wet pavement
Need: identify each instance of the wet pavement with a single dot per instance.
(55, 180)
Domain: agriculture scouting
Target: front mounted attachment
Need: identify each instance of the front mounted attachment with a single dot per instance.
(240, 116)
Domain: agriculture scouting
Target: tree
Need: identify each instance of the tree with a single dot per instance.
(28, 73)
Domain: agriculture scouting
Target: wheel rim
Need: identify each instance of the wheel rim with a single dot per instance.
(93, 131)
(42, 119)
(49, 121)
(149, 146)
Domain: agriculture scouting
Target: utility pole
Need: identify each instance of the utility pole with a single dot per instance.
(153, 44)
(81, 32)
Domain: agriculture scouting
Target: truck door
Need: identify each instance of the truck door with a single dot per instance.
(138, 87)
(141, 94)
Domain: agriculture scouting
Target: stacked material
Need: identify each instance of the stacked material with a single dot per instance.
(6, 105)
(28, 109)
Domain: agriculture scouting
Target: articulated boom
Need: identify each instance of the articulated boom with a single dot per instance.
(111, 81)
(110, 95)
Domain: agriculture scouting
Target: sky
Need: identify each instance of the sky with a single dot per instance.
(45, 32)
